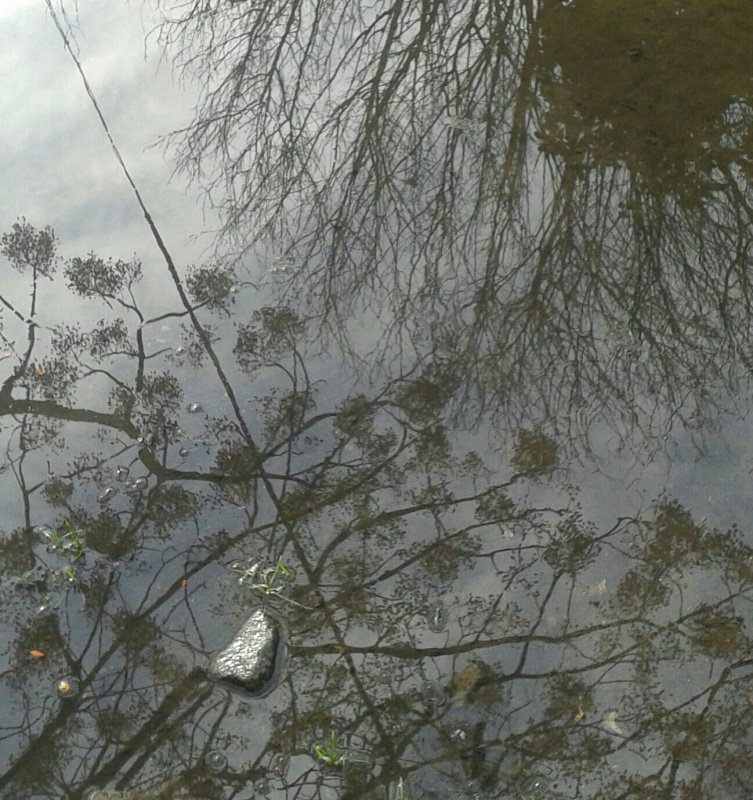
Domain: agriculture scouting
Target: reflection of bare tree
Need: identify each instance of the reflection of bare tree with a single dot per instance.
(451, 632)
(569, 250)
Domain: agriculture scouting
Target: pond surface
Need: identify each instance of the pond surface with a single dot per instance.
(456, 386)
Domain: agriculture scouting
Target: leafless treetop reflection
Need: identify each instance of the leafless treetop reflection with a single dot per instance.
(539, 191)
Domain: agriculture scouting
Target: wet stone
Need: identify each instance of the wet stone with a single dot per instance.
(249, 660)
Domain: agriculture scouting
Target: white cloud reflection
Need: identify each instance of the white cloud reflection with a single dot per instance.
(56, 162)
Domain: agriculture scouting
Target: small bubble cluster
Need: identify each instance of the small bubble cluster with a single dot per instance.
(106, 494)
(136, 485)
(279, 764)
(121, 474)
(432, 694)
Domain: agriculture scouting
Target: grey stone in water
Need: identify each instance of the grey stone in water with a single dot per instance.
(249, 660)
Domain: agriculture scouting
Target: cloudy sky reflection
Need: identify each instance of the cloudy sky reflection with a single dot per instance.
(58, 167)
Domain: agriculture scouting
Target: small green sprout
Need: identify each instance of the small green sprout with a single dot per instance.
(67, 543)
(269, 581)
(399, 791)
(71, 533)
(327, 754)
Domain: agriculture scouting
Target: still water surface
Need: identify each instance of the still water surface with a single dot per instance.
(470, 357)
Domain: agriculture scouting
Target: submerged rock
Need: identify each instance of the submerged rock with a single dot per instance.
(249, 660)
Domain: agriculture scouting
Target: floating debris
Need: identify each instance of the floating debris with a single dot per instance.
(194, 408)
(458, 735)
(595, 589)
(609, 721)
(67, 687)
(106, 494)
(466, 681)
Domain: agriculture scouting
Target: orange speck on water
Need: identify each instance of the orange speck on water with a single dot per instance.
(183, 581)
(36, 653)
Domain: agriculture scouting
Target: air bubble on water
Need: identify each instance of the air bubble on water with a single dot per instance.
(279, 764)
(432, 694)
(385, 676)
(437, 617)
(136, 485)
(121, 474)
(235, 289)
(183, 452)
(216, 760)
(261, 787)
(106, 494)
(180, 351)
(194, 408)
(67, 687)
(534, 788)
